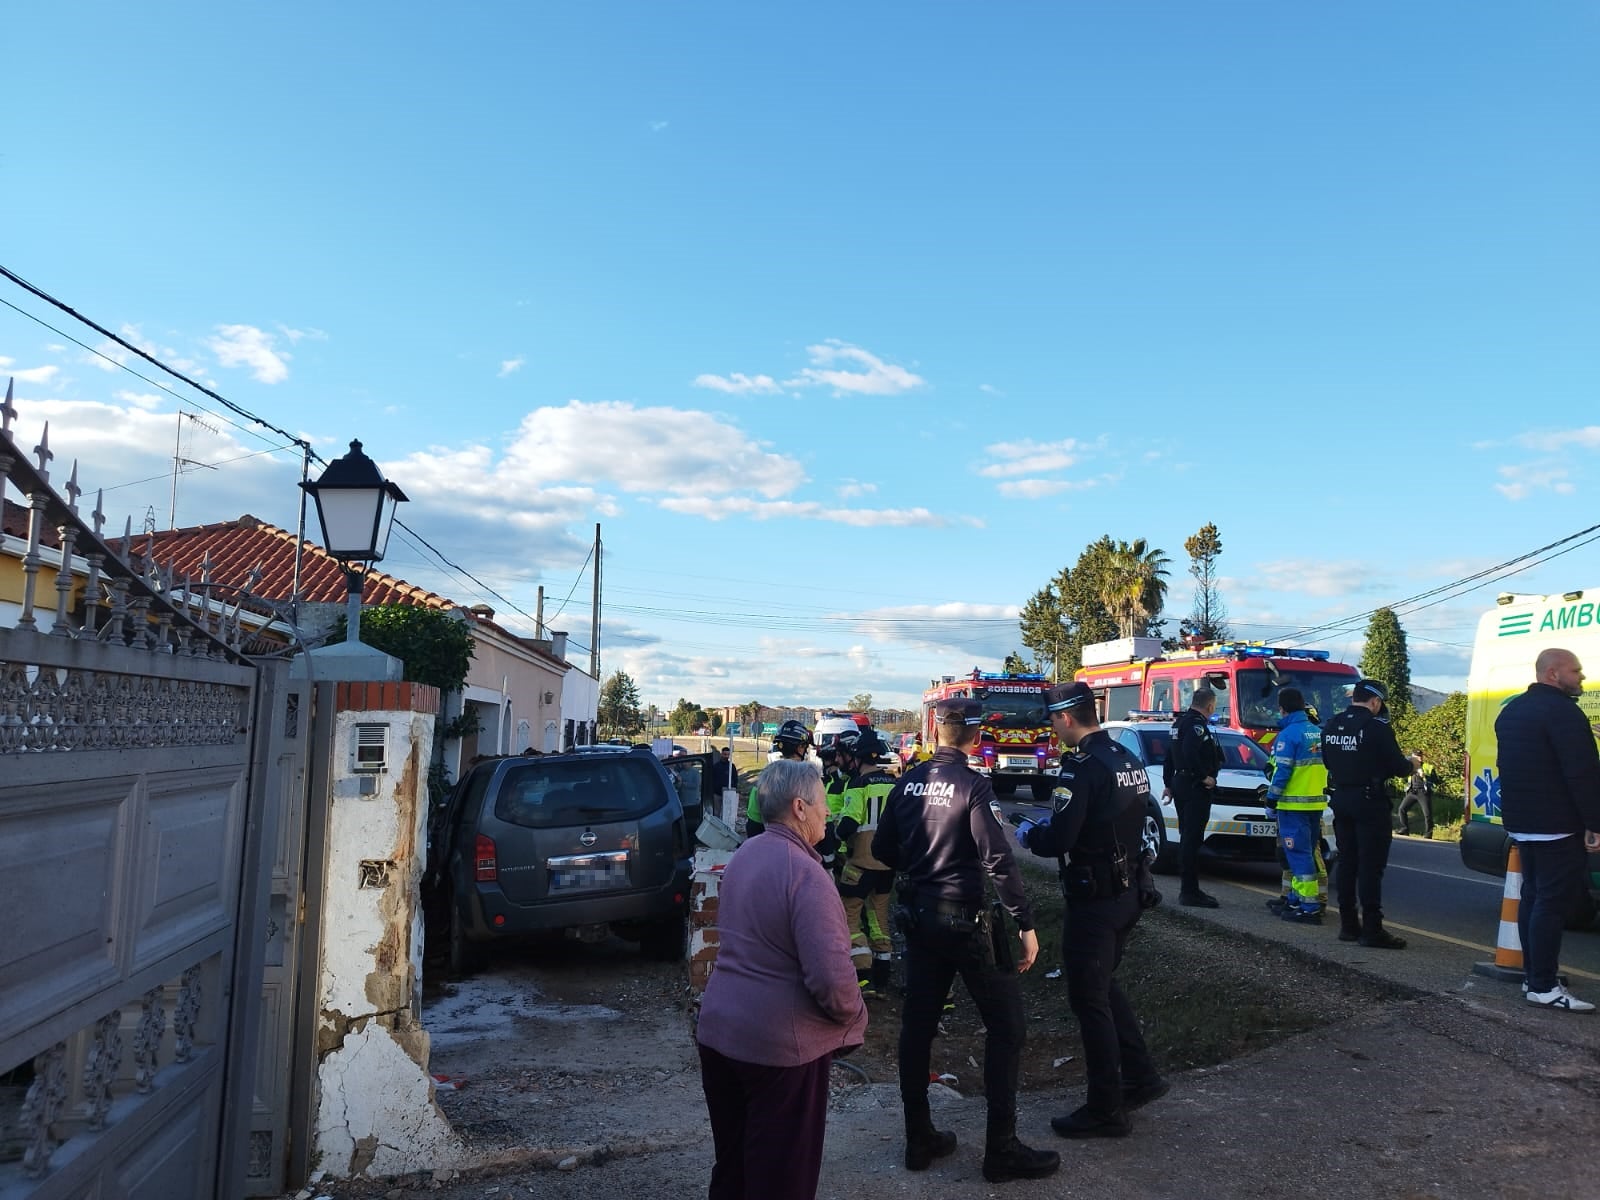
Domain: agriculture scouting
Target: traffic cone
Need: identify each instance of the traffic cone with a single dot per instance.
(1507, 964)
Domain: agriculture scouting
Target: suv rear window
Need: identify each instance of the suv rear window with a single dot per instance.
(546, 795)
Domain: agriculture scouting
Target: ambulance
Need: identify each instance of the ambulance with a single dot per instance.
(1510, 636)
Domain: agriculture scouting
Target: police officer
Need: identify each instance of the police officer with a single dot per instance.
(938, 829)
(1095, 831)
(864, 880)
(1361, 755)
(791, 741)
(1192, 775)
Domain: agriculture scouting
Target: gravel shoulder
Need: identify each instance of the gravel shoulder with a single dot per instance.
(576, 1077)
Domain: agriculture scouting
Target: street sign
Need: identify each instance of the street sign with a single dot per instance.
(770, 727)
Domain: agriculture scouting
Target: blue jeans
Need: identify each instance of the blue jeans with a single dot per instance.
(1552, 876)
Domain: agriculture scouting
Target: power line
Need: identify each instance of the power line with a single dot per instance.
(155, 383)
(150, 358)
(221, 399)
(587, 558)
(1459, 587)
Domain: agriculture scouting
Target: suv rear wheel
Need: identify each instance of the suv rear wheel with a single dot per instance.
(665, 941)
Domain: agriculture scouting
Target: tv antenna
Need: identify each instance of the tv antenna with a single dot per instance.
(180, 461)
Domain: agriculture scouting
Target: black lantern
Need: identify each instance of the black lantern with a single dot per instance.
(355, 505)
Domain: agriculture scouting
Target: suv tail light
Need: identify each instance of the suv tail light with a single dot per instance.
(485, 867)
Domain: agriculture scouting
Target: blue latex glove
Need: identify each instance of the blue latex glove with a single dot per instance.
(1026, 829)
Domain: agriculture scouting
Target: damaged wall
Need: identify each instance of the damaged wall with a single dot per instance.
(375, 1112)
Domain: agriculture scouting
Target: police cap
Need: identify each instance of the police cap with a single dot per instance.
(1069, 697)
(958, 711)
(1366, 689)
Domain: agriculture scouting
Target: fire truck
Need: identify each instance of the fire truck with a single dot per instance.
(1015, 746)
(1134, 674)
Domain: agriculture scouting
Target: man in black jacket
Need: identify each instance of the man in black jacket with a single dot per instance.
(1361, 755)
(1549, 795)
(1192, 776)
(1095, 832)
(938, 830)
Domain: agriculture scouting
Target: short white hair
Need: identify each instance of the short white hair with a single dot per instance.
(781, 782)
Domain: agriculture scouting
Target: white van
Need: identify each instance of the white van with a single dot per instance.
(1510, 636)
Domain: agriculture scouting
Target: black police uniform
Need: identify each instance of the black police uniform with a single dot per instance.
(1360, 753)
(938, 830)
(1196, 756)
(1095, 829)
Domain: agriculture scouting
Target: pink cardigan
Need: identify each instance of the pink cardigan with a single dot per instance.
(784, 991)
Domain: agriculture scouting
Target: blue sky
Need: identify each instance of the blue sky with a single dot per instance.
(850, 323)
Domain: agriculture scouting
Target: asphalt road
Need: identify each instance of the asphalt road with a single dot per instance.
(1427, 894)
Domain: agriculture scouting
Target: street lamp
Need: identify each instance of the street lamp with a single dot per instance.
(355, 506)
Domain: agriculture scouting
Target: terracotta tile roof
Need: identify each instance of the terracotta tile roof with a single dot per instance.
(14, 521)
(238, 546)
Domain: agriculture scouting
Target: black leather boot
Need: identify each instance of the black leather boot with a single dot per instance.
(1374, 935)
(924, 1143)
(1010, 1159)
(881, 970)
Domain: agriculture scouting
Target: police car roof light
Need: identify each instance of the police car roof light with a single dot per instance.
(1001, 675)
(1149, 714)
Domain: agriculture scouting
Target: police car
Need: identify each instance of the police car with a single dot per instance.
(1241, 829)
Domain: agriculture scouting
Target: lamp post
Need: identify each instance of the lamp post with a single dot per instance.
(355, 506)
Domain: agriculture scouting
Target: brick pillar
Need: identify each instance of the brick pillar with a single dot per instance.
(703, 940)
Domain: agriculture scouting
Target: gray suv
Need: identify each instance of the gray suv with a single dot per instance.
(585, 844)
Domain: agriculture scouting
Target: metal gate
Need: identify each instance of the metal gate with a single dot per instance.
(135, 835)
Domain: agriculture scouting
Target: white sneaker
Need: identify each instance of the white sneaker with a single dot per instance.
(1559, 997)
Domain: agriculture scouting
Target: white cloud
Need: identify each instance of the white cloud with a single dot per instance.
(990, 389)
(738, 384)
(297, 335)
(1029, 457)
(1313, 577)
(716, 509)
(1524, 479)
(127, 450)
(511, 366)
(145, 400)
(658, 126)
(558, 465)
(830, 367)
(252, 348)
(1037, 489)
(852, 488)
(27, 374)
(1555, 441)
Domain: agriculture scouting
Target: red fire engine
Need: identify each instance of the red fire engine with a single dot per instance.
(1136, 674)
(1015, 747)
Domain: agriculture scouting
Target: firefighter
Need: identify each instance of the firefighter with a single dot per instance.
(1196, 759)
(1361, 755)
(864, 881)
(835, 781)
(1296, 789)
(938, 830)
(1095, 831)
(792, 741)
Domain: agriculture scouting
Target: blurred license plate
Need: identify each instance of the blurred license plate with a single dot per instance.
(1261, 829)
(1019, 764)
(588, 872)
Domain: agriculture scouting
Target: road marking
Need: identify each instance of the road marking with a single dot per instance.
(1499, 887)
(1427, 933)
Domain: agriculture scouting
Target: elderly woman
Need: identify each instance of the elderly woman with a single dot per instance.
(782, 1002)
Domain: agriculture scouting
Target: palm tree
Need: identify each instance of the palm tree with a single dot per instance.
(1134, 586)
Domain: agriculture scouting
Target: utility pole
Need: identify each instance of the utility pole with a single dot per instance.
(594, 622)
(538, 615)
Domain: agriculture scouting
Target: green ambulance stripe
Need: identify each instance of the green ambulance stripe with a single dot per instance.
(1515, 624)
